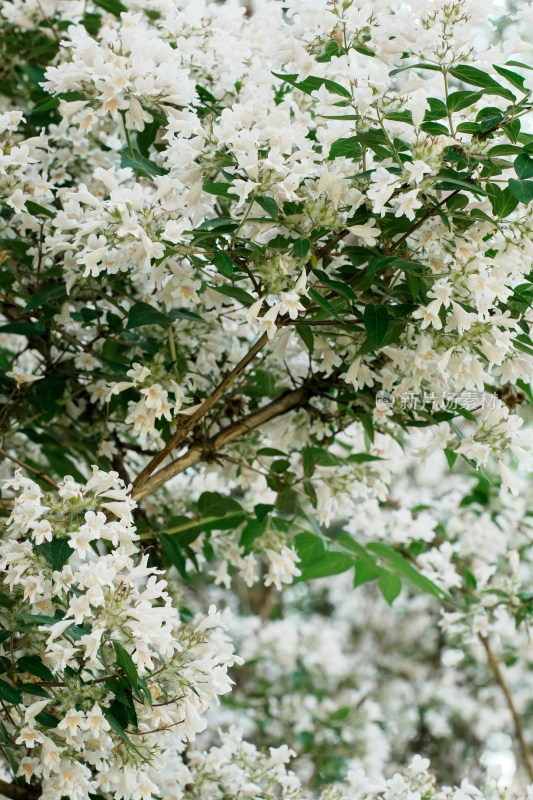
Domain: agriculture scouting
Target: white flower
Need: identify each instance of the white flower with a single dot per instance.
(429, 315)
(290, 304)
(416, 169)
(282, 567)
(22, 377)
(369, 232)
(268, 321)
(381, 188)
(407, 203)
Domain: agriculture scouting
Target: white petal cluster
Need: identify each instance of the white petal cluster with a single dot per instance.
(118, 669)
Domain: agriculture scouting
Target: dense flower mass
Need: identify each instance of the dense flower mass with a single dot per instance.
(98, 630)
(266, 278)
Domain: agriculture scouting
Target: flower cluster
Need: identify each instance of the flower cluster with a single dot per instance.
(101, 667)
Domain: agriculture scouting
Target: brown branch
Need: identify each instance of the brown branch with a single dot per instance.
(23, 464)
(19, 792)
(206, 450)
(429, 213)
(495, 666)
(191, 422)
(326, 249)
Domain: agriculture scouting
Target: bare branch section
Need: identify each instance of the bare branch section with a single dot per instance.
(498, 674)
(189, 423)
(15, 792)
(206, 450)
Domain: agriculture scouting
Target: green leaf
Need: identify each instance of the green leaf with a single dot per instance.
(362, 458)
(400, 116)
(376, 320)
(268, 204)
(459, 100)
(60, 552)
(115, 724)
(504, 150)
(368, 426)
(451, 457)
(9, 693)
(220, 189)
(338, 286)
(145, 314)
(468, 127)
(347, 148)
(125, 662)
(141, 164)
(174, 553)
(331, 563)
(309, 547)
(311, 84)
(46, 719)
(56, 291)
(390, 585)
(147, 137)
(437, 110)
(307, 337)
(432, 67)
(37, 619)
(236, 292)
(435, 129)
(513, 77)
(23, 328)
(522, 190)
(38, 210)
(113, 6)
(323, 303)
(361, 552)
(183, 313)
(222, 224)
(47, 106)
(223, 263)
(34, 689)
(364, 572)
(518, 64)
(401, 565)
(214, 503)
(476, 77)
(512, 129)
(252, 530)
(449, 183)
(301, 248)
(523, 166)
(330, 50)
(502, 201)
(35, 666)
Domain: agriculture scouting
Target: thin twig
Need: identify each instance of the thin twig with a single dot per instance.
(37, 472)
(498, 674)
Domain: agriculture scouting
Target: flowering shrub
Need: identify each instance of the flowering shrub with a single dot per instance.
(265, 337)
(99, 632)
